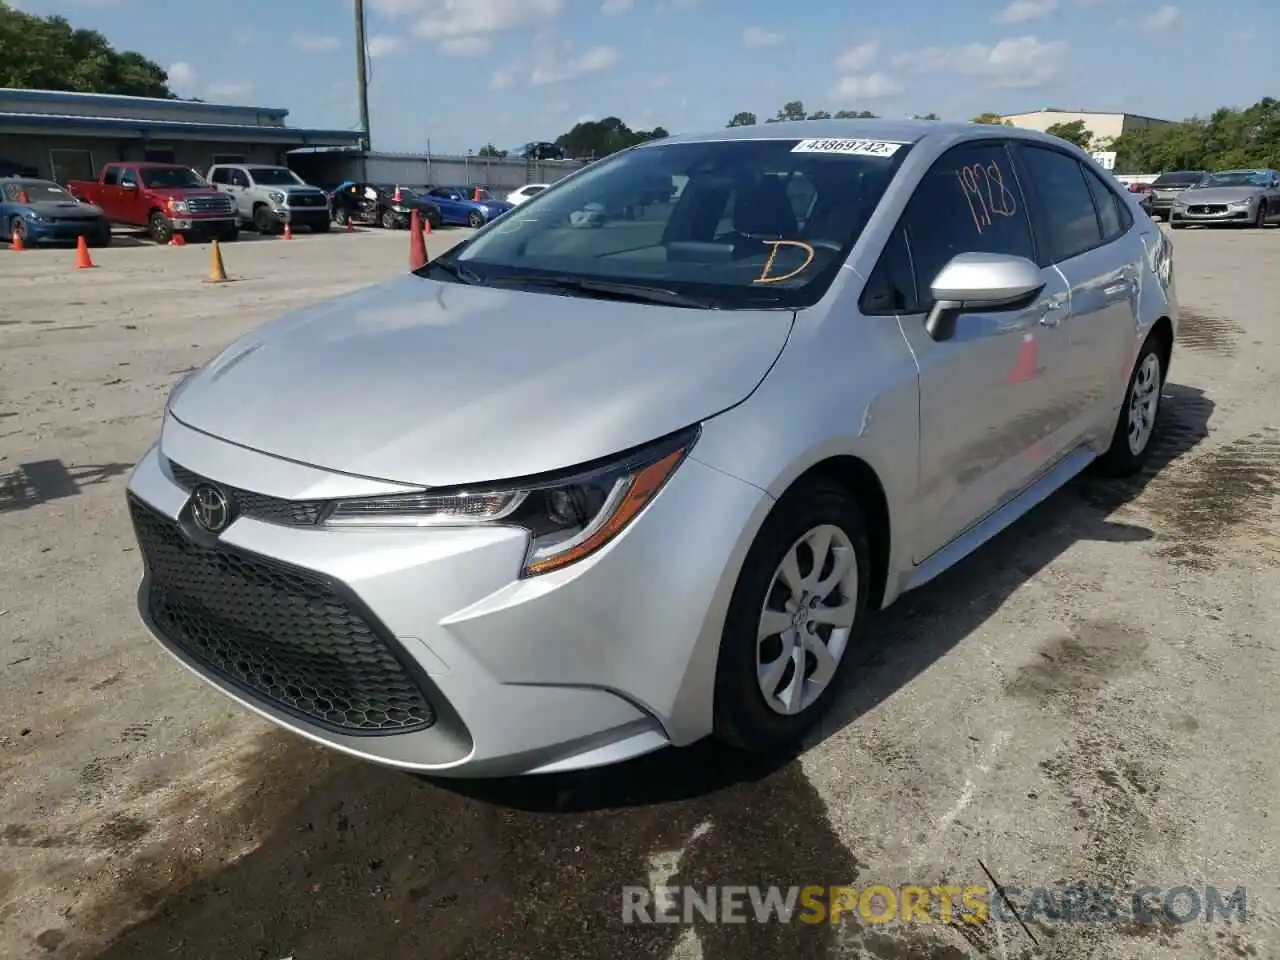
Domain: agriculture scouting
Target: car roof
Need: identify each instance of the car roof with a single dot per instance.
(904, 131)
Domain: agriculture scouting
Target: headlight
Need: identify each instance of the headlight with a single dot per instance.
(276, 196)
(485, 210)
(32, 215)
(1241, 204)
(178, 206)
(568, 518)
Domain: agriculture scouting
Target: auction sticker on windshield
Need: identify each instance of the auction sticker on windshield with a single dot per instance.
(851, 148)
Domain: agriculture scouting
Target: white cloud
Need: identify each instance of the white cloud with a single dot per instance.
(757, 38)
(858, 57)
(465, 46)
(466, 18)
(592, 60)
(502, 80)
(1166, 18)
(1024, 11)
(874, 86)
(313, 43)
(384, 45)
(181, 74)
(230, 91)
(660, 82)
(611, 8)
(1017, 62)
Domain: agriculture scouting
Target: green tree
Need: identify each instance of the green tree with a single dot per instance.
(855, 115)
(489, 150)
(599, 138)
(1073, 132)
(820, 115)
(744, 118)
(46, 53)
(790, 111)
(992, 118)
(927, 116)
(1227, 139)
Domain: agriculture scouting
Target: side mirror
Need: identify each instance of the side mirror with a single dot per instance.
(972, 282)
(128, 186)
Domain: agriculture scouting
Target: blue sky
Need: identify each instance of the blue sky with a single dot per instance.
(462, 73)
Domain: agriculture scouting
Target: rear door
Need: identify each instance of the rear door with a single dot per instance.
(990, 396)
(1084, 234)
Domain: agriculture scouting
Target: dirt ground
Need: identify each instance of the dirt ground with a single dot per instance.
(1088, 700)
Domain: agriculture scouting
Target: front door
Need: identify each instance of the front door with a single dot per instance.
(992, 396)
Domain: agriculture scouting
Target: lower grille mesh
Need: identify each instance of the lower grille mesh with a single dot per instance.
(280, 634)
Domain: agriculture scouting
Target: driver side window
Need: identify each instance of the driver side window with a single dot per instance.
(128, 178)
(970, 201)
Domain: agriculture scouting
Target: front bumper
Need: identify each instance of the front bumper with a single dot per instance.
(600, 662)
(303, 216)
(1209, 213)
(206, 225)
(64, 231)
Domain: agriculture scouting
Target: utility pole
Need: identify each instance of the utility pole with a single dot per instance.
(362, 75)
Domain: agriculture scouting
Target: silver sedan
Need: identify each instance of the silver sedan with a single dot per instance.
(563, 497)
(1242, 198)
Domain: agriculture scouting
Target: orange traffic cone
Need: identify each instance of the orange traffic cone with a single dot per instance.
(426, 224)
(417, 242)
(1025, 368)
(288, 231)
(178, 239)
(82, 255)
(16, 243)
(217, 272)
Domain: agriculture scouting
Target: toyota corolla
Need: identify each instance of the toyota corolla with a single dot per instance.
(565, 496)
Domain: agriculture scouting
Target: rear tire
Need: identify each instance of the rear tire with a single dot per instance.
(1139, 418)
(749, 664)
(1260, 221)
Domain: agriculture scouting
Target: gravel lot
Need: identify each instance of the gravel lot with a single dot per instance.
(1087, 700)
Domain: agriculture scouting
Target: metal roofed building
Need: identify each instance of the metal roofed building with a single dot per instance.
(1104, 127)
(68, 136)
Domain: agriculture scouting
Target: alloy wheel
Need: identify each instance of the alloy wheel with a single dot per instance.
(1144, 399)
(808, 614)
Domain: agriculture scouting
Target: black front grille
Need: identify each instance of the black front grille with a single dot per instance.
(306, 200)
(259, 506)
(281, 635)
(1208, 208)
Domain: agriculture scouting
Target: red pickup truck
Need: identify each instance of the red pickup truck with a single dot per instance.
(166, 198)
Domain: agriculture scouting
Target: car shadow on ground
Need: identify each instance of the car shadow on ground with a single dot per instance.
(41, 481)
(347, 859)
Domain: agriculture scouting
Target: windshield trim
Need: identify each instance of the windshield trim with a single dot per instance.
(725, 296)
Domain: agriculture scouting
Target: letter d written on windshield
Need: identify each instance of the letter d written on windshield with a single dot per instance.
(767, 275)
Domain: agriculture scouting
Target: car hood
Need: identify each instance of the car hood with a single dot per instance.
(296, 188)
(438, 384)
(1219, 194)
(65, 210)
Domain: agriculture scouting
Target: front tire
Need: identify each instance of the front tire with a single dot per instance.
(1139, 414)
(475, 220)
(160, 228)
(799, 606)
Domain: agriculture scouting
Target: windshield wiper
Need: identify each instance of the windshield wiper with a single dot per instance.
(459, 273)
(609, 289)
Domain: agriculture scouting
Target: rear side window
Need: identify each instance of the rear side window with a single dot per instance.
(1064, 203)
(111, 176)
(969, 202)
(219, 175)
(1113, 213)
(1181, 178)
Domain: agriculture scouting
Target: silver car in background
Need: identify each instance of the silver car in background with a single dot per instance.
(1242, 198)
(563, 497)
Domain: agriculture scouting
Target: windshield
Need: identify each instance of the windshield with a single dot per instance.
(738, 223)
(275, 177)
(1238, 178)
(38, 191)
(170, 178)
(1177, 179)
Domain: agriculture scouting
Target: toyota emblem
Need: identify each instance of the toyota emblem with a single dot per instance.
(210, 508)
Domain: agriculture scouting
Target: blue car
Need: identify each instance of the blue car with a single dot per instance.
(40, 211)
(458, 209)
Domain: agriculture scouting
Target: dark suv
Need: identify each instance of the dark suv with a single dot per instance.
(1159, 200)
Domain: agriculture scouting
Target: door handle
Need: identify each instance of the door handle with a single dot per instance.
(1051, 314)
